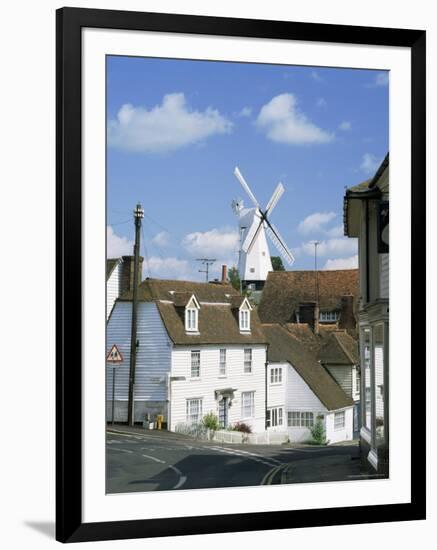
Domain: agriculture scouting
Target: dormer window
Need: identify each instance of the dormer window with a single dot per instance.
(191, 319)
(244, 316)
(192, 315)
(244, 319)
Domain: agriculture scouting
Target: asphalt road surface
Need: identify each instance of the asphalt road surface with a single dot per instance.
(162, 461)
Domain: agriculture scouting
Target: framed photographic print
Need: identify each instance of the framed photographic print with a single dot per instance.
(235, 339)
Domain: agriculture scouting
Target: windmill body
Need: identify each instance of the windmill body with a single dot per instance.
(253, 265)
(254, 256)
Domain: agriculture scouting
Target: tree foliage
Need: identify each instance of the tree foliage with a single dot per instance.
(234, 278)
(277, 263)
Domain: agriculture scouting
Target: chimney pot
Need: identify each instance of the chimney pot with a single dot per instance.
(224, 274)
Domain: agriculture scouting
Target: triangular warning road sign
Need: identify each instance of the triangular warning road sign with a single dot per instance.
(114, 355)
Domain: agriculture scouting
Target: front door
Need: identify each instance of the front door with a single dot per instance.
(223, 412)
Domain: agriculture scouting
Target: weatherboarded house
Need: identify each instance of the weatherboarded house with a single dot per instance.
(366, 217)
(200, 349)
(300, 390)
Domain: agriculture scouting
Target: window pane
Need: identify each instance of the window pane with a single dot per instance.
(247, 360)
(365, 351)
(339, 418)
(195, 364)
(247, 404)
(222, 367)
(378, 359)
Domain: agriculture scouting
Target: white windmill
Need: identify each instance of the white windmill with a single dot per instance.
(254, 258)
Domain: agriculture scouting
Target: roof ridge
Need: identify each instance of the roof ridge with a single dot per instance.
(344, 350)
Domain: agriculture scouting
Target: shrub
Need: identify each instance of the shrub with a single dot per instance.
(318, 432)
(241, 427)
(210, 421)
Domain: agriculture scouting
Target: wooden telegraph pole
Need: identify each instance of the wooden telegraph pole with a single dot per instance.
(138, 215)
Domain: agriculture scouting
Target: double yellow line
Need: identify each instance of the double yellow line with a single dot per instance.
(269, 477)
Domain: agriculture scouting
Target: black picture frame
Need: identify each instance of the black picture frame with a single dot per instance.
(69, 525)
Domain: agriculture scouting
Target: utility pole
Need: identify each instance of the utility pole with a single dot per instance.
(316, 244)
(138, 215)
(206, 262)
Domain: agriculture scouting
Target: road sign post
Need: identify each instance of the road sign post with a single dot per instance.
(115, 358)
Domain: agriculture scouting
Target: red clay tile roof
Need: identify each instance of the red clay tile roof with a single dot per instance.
(285, 290)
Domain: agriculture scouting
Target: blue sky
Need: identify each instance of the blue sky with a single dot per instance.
(177, 129)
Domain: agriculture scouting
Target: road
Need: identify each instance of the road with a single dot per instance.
(162, 461)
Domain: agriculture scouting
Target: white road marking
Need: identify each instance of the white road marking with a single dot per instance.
(182, 478)
(121, 450)
(271, 459)
(155, 459)
(250, 456)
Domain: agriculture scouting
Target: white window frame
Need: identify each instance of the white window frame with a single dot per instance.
(276, 376)
(222, 362)
(195, 353)
(247, 406)
(244, 319)
(275, 417)
(328, 316)
(247, 361)
(300, 419)
(197, 417)
(191, 319)
(339, 424)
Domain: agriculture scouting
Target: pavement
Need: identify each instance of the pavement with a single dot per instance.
(153, 460)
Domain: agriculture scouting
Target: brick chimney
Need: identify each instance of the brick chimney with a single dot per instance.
(309, 313)
(224, 274)
(347, 316)
(127, 273)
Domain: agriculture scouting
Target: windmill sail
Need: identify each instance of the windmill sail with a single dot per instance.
(279, 242)
(277, 194)
(245, 186)
(251, 234)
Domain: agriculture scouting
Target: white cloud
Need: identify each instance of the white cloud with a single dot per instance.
(369, 163)
(345, 125)
(165, 127)
(167, 268)
(342, 263)
(381, 79)
(315, 76)
(337, 231)
(315, 222)
(336, 246)
(117, 246)
(321, 102)
(161, 239)
(245, 112)
(283, 122)
(216, 243)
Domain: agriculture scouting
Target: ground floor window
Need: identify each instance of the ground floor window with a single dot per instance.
(339, 420)
(248, 404)
(297, 419)
(274, 417)
(194, 411)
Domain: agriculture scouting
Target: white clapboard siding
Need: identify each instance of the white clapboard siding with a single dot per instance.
(276, 393)
(210, 380)
(153, 353)
(113, 288)
(384, 275)
(342, 434)
(343, 376)
(300, 396)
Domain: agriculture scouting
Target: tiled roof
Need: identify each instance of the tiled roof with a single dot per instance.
(164, 289)
(285, 347)
(217, 321)
(285, 290)
(339, 349)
